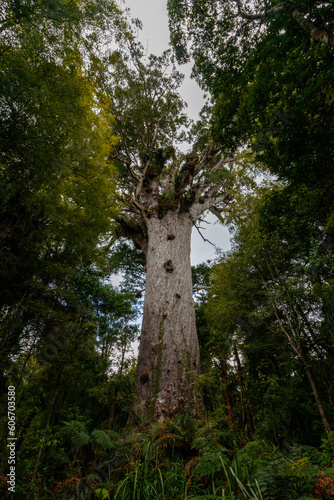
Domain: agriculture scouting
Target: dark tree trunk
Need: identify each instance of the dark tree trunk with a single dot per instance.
(246, 411)
(169, 357)
(224, 374)
(316, 394)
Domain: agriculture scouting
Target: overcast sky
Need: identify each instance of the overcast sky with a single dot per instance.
(155, 37)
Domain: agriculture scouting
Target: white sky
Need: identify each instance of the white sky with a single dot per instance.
(155, 37)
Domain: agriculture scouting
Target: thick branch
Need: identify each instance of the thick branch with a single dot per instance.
(141, 180)
(217, 213)
(134, 230)
(203, 187)
(209, 202)
(321, 36)
(186, 174)
(211, 152)
(127, 161)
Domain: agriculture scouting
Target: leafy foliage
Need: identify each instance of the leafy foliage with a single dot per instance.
(265, 312)
(56, 181)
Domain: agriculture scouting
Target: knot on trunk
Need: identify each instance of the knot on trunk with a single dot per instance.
(170, 237)
(168, 265)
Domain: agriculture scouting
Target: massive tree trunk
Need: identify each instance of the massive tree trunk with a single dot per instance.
(169, 358)
(164, 193)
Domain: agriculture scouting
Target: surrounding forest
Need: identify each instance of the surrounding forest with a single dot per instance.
(232, 392)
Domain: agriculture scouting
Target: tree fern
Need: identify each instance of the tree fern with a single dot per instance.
(208, 438)
(77, 433)
(209, 463)
(101, 439)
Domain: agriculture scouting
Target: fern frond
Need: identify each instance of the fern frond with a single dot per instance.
(102, 439)
(77, 433)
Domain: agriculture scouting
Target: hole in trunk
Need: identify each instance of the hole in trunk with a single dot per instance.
(168, 265)
(177, 295)
(170, 237)
(144, 377)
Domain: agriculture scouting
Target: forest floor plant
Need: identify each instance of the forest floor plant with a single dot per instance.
(184, 459)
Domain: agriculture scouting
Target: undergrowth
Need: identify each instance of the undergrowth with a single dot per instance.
(183, 459)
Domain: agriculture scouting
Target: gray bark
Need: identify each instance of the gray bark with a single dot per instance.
(169, 357)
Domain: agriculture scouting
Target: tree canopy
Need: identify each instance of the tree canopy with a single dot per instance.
(56, 179)
(270, 82)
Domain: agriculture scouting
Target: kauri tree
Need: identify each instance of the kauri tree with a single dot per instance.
(163, 194)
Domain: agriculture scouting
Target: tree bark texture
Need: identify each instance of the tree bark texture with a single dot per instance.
(169, 357)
